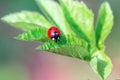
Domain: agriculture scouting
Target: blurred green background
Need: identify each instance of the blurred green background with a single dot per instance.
(18, 59)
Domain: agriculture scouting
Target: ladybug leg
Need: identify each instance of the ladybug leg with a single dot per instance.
(53, 38)
(58, 37)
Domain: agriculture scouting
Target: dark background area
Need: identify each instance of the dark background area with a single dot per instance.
(17, 56)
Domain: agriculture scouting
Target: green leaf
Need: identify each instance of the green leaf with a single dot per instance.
(104, 24)
(26, 20)
(38, 34)
(81, 19)
(67, 46)
(54, 13)
(101, 64)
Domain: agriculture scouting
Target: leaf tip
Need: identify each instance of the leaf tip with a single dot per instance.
(14, 37)
(2, 18)
(106, 5)
(18, 38)
(39, 48)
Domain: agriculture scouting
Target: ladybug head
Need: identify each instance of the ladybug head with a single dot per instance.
(55, 36)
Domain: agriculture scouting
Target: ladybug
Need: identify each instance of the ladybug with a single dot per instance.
(54, 33)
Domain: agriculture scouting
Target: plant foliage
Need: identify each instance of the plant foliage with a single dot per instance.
(78, 37)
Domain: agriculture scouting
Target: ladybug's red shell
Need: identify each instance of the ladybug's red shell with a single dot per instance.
(54, 33)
